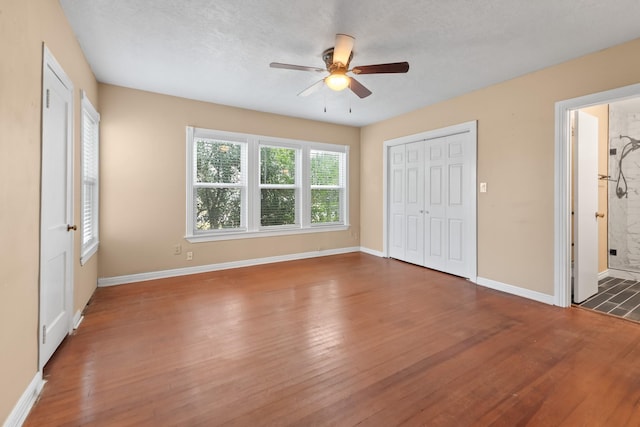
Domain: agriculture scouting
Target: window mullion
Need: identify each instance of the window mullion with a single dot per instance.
(254, 184)
(305, 190)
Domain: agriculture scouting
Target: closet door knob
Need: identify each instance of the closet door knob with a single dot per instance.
(599, 215)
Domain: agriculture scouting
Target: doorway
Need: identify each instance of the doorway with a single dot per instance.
(617, 288)
(564, 221)
(56, 209)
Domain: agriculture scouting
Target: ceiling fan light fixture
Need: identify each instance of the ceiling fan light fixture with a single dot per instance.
(337, 81)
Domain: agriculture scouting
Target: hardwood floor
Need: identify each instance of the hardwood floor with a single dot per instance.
(342, 340)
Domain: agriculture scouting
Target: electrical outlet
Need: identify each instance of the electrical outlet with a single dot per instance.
(177, 249)
(189, 256)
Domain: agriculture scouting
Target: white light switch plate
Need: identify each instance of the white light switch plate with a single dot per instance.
(483, 187)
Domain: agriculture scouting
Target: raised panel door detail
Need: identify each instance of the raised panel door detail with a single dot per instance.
(413, 227)
(398, 159)
(435, 186)
(435, 152)
(397, 186)
(397, 221)
(412, 185)
(413, 156)
(455, 184)
(455, 149)
(436, 226)
(456, 243)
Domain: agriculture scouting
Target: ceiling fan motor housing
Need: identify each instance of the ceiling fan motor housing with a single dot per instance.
(327, 57)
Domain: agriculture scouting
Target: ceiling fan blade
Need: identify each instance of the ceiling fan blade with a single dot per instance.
(295, 67)
(343, 48)
(394, 67)
(357, 88)
(312, 89)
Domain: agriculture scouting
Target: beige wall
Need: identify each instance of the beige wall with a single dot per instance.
(143, 186)
(515, 157)
(601, 112)
(24, 25)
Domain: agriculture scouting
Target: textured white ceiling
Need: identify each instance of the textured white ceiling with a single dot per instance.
(219, 51)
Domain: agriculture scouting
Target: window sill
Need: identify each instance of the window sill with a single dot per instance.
(231, 235)
(88, 252)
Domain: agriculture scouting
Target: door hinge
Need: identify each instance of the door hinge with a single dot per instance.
(47, 99)
(44, 334)
(572, 131)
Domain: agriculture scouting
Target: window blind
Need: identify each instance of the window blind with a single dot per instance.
(90, 122)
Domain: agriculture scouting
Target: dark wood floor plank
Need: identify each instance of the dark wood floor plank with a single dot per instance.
(341, 340)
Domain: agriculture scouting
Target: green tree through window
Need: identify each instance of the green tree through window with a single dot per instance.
(277, 186)
(326, 187)
(243, 185)
(219, 184)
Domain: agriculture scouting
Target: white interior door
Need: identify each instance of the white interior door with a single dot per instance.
(414, 204)
(56, 209)
(396, 200)
(450, 205)
(585, 273)
(436, 205)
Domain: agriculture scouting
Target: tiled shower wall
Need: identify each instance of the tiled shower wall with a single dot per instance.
(624, 213)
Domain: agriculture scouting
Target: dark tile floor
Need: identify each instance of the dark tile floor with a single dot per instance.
(618, 297)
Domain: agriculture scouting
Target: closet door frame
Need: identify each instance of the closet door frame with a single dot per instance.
(471, 129)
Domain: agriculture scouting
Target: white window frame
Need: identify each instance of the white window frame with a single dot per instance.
(296, 186)
(342, 186)
(89, 117)
(251, 211)
(192, 135)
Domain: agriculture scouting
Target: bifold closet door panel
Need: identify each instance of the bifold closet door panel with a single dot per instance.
(396, 201)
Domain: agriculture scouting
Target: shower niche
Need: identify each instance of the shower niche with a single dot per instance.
(624, 187)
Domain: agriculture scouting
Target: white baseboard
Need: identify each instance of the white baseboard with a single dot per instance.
(25, 403)
(515, 290)
(603, 274)
(141, 277)
(77, 319)
(622, 274)
(371, 252)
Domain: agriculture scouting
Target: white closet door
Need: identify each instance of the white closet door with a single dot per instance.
(414, 205)
(450, 205)
(435, 205)
(396, 202)
(432, 203)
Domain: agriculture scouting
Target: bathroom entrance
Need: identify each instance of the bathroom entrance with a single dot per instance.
(564, 212)
(605, 207)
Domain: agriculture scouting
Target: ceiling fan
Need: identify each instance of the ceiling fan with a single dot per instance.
(337, 60)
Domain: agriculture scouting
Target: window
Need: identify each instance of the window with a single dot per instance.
(220, 184)
(241, 185)
(90, 127)
(278, 188)
(327, 187)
